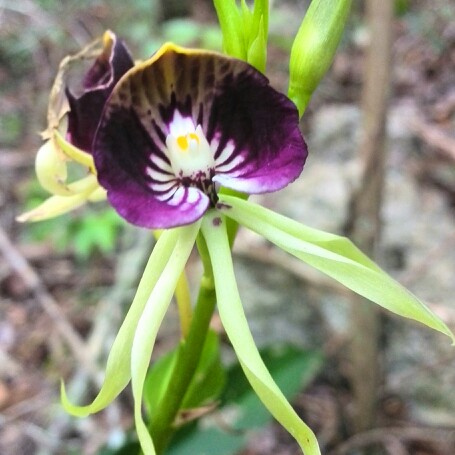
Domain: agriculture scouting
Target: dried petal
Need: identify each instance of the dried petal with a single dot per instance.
(85, 110)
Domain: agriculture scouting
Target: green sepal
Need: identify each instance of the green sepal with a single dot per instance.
(118, 372)
(335, 256)
(59, 205)
(157, 381)
(236, 326)
(150, 320)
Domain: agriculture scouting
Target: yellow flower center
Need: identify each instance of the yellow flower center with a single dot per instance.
(190, 140)
(188, 150)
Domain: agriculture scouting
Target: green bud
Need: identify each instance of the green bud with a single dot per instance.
(257, 51)
(244, 30)
(50, 165)
(314, 47)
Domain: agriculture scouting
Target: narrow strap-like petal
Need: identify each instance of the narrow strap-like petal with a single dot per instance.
(236, 326)
(335, 256)
(80, 191)
(150, 321)
(118, 371)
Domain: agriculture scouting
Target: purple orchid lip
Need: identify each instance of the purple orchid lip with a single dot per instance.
(185, 122)
(85, 110)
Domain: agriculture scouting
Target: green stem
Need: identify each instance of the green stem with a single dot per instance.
(161, 427)
(183, 299)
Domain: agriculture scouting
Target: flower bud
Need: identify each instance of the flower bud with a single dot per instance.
(50, 166)
(314, 47)
(244, 30)
(257, 51)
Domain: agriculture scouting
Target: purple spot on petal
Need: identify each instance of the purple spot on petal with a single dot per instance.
(216, 221)
(223, 206)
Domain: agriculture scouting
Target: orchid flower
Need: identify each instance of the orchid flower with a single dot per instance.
(72, 122)
(175, 134)
(176, 142)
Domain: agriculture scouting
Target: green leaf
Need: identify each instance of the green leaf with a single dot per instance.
(198, 440)
(157, 381)
(337, 257)
(292, 368)
(118, 372)
(236, 326)
(96, 230)
(207, 383)
(150, 321)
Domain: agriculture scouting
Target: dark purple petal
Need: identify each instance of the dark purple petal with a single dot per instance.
(85, 110)
(251, 129)
(261, 126)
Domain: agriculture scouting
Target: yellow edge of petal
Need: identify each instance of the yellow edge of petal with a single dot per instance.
(167, 47)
